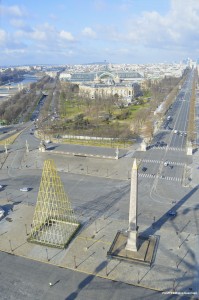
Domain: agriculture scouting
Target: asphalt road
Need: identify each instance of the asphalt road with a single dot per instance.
(23, 279)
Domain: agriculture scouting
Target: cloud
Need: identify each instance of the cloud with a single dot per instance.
(125, 5)
(66, 35)
(34, 34)
(8, 42)
(3, 37)
(39, 35)
(89, 32)
(177, 28)
(14, 51)
(18, 23)
(53, 17)
(14, 10)
(100, 5)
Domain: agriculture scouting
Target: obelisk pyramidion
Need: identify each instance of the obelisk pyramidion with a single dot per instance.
(133, 228)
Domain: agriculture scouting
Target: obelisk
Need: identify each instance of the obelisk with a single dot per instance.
(133, 228)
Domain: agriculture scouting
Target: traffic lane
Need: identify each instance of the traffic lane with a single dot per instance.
(178, 156)
(86, 193)
(172, 171)
(19, 283)
(183, 221)
(178, 140)
(181, 120)
(148, 168)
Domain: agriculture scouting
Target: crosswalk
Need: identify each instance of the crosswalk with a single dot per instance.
(159, 177)
(169, 148)
(172, 163)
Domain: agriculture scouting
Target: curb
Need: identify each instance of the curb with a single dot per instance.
(81, 154)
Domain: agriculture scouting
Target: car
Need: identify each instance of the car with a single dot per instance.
(166, 163)
(181, 133)
(175, 131)
(47, 141)
(144, 169)
(172, 213)
(1, 187)
(185, 134)
(2, 212)
(162, 144)
(24, 189)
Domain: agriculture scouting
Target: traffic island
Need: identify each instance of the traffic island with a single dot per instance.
(146, 249)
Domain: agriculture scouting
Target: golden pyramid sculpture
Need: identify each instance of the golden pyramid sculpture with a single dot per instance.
(54, 223)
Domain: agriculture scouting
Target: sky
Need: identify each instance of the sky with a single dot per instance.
(85, 31)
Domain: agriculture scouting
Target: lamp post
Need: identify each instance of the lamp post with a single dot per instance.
(6, 150)
(27, 148)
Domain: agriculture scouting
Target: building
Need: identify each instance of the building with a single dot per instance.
(126, 85)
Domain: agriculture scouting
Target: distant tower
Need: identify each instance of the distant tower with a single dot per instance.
(117, 78)
(133, 228)
(96, 79)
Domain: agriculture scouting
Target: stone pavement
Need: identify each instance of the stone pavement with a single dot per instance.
(173, 268)
(87, 253)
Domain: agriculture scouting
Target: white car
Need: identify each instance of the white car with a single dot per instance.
(2, 212)
(24, 189)
(175, 131)
(166, 163)
(1, 187)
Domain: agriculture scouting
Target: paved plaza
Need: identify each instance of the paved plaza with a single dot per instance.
(99, 191)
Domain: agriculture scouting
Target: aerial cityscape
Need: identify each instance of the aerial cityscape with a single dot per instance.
(99, 161)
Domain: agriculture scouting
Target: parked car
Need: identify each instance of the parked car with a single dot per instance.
(166, 163)
(162, 144)
(24, 189)
(1, 187)
(144, 169)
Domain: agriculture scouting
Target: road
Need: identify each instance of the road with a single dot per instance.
(23, 279)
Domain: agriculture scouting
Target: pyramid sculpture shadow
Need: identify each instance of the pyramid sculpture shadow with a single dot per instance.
(54, 223)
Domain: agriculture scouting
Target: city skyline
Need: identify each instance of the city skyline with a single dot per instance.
(79, 32)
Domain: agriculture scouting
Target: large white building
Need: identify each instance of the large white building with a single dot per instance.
(126, 85)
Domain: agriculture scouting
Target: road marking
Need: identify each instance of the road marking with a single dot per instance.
(169, 148)
(159, 177)
(160, 161)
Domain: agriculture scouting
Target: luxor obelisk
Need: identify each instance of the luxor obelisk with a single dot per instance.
(133, 228)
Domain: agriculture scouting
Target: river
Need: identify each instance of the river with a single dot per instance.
(8, 90)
